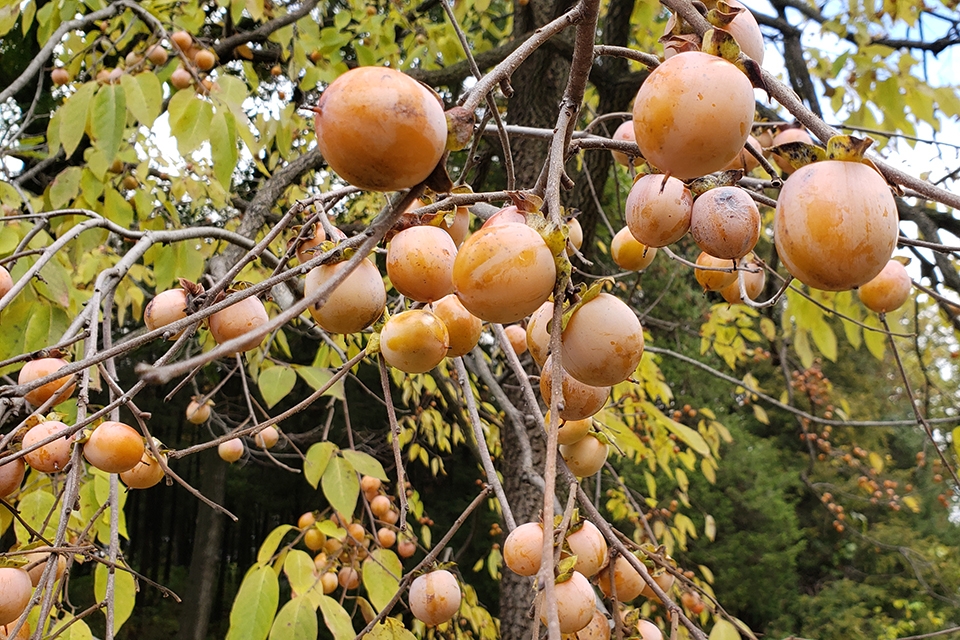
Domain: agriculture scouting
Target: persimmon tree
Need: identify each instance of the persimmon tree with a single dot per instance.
(197, 220)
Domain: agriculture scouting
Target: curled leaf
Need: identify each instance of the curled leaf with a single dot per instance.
(799, 154)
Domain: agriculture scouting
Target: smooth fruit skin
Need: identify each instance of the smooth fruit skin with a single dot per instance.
(576, 604)
(574, 236)
(889, 290)
(181, 78)
(503, 273)
(712, 280)
(147, 473)
(231, 450)
(692, 114)
(379, 129)
(630, 254)
(435, 597)
(627, 580)
(754, 279)
(580, 400)
(523, 548)
(649, 631)
(6, 281)
(414, 341)
(597, 629)
(745, 161)
(725, 222)
(538, 337)
(571, 430)
(835, 225)
(658, 210)
(53, 456)
(624, 133)
(664, 581)
(304, 249)
(602, 342)
(15, 592)
(165, 308)
(114, 447)
(354, 305)
(746, 32)
(267, 438)
(585, 457)
(239, 319)
(198, 413)
(11, 475)
(517, 336)
(380, 505)
(588, 545)
(420, 263)
(463, 328)
(41, 368)
(205, 60)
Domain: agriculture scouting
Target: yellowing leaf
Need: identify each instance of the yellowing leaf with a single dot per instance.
(297, 620)
(390, 629)
(876, 462)
(340, 485)
(760, 414)
(365, 463)
(825, 340)
(801, 344)
(73, 117)
(299, 568)
(381, 576)
(317, 377)
(724, 630)
(956, 441)
(317, 458)
(65, 187)
(108, 119)
(255, 605)
(271, 542)
(912, 503)
(337, 619)
(223, 146)
(124, 593)
(275, 383)
(710, 527)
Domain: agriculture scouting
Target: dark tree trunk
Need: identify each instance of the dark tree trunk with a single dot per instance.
(208, 536)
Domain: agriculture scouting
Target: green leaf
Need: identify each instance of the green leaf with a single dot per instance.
(109, 118)
(276, 383)
(73, 117)
(223, 146)
(117, 209)
(65, 187)
(192, 126)
(144, 96)
(255, 605)
(317, 458)
(382, 571)
(297, 620)
(78, 629)
(317, 378)
(876, 342)
(956, 441)
(724, 630)
(271, 542)
(390, 629)
(341, 485)
(365, 463)
(337, 620)
(825, 340)
(299, 567)
(34, 509)
(801, 344)
(124, 593)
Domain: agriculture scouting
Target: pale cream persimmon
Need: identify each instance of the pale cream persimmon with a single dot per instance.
(231, 450)
(624, 133)
(414, 341)
(523, 549)
(754, 279)
(576, 603)
(510, 213)
(585, 457)
(649, 631)
(602, 342)
(574, 237)
(836, 224)
(15, 591)
(746, 161)
(165, 308)
(692, 114)
(627, 580)
(538, 337)
(711, 279)
(597, 629)
(629, 253)
(435, 597)
(658, 210)
(380, 129)
(889, 290)
(588, 545)
(579, 400)
(420, 263)
(199, 413)
(41, 368)
(267, 438)
(354, 305)
(725, 222)
(6, 281)
(463, 328)
(239, 319)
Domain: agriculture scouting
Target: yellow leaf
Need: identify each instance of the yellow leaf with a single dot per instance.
(876, 462)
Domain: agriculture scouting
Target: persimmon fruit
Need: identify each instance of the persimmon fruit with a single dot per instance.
(15, 591)
(627, 580)
(41, 368)
(307, 519)
(205, 60)
(60, 76)
(53, 456)
(889, 290)
(523, 549)
(792, 134)
(836, 224)
(754, 279)
(114, 447)
(625, 133)
(463, 328)
(517, 336)
(406, 548)
(6, 281)
(387, 537)
(588, 545)
(435, 597)
(379, 506)
(231, 450)
(370, 484)
(585, 457)
(41, 558)
(198, 413)
(157, 55)
(725, 222)
(538, 337)
(510, 213)
(629, 253)
(181, 78)
(574, 236)
(267, 438)
(711, 279)
(352, 306)
(182, 39)
(11, 475)
(307, 245)
(597, 629)
(746, 161)
(664, 580)
(165, 308)
(504, 272)
(145, 474)
(692, 114)
(457, 229)
(602, 342)
(571, 430)
(380, 129)
(420, 263)
(348, 577)
(649, 631)
(414, 341)
(580, 400)
(658, 210)
(576, 603)
(329, 581)
(239, 319)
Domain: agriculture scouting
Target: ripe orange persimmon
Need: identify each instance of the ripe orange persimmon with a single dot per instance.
(305, 247)
(626, 579)
(836, 224)
(745, 161)
(571, 431)
(624, 133)
(504, 272)
(588, 545)
(40, 368)
(754, 279)
(380, 129)
(238, 320)
(205, 60)
(585, 457)
(538, 338)
(306, 520)
(370, 484)
(354, 305)
(41, 558)
(53, 456)
(166, 307)
(664, 580)
(379, 506)
(579, 400)
(15, 591)
(658, 210)
(420, 263)
(182, 40)
(888, 290)
(314, 539)
(693, 114)
(508, 214)
(329, 582)
(157, 55)
(60, 76)
(348, 577)
(463, 328)
(6, 282)
(231, 450)
(406, 548)
(602, 342)
(725, 222)
(435, 597)
(181, 78)
(198, 413)
(523, 549)
(457, 229)
(712, 280)
(414, 341)
(576, 603)
(11, 475)
(147, 473)
(386, 537)
(114, 447)
(629, 253)
(517, 336)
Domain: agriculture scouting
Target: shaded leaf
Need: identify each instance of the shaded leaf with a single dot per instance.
(317, 458)
(73, 117)
(124, 593)
(275, 383)
(337, 619)
(108, 119)
(223, 146)
(365, 463)
(317, 377)
(724, 630)
(340, 485)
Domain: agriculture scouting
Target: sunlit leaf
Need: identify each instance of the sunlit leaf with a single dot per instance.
(108, 119)
(269, 546)
(124, 593)
(276, 383)
(365, 463)
(337, 619)
(381, 576)
(317, 458)
(255, 605)
(340, 485)
(297, 620)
